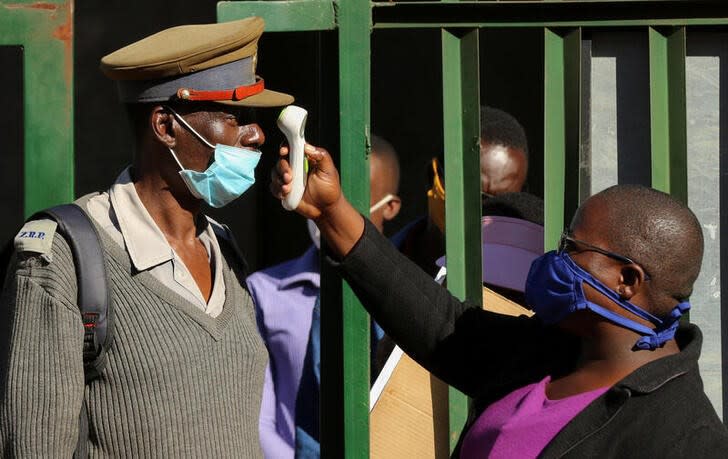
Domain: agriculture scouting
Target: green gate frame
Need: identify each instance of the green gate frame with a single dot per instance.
(45, 32)
(345, 430)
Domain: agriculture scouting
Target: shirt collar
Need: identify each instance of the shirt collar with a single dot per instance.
(145, 243)
(305, 269)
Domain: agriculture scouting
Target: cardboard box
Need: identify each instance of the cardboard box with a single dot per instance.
(409, 415)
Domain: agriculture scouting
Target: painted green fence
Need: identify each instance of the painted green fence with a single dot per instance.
(45, 32)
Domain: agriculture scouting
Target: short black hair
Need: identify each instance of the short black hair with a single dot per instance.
(525, 206)
(502, 128)
(384, 150)
(659, 232)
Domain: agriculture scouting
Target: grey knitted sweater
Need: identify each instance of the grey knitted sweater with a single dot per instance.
(177, 382)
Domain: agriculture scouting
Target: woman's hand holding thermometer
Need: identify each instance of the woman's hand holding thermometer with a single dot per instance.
(316, 195)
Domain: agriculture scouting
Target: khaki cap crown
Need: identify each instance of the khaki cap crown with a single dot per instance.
(184, 49)
(181, 51)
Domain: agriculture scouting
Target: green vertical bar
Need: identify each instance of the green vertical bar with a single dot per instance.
(667, 111)
(572, 121)
(345, 399)
(562, 129)
(45, 31)
(554, 136)
(659, 104)
(461, 124)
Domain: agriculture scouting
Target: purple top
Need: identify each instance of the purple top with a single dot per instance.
(284, 297)
(523, 422)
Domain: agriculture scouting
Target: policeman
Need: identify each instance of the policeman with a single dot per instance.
(184, 373)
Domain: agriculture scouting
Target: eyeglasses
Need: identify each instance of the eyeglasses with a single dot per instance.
(566, 240)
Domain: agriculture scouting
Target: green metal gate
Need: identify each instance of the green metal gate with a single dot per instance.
(666, 23)
(44, 30)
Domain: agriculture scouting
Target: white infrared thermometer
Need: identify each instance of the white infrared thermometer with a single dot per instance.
(292, 122)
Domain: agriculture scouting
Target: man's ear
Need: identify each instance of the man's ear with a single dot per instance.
(631, 280)
(391, 209)
(162, 124)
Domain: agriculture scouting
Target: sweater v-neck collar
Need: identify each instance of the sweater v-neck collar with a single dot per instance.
(215, 326)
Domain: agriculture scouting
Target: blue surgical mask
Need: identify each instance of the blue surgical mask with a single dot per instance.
(554, 289)
(230, 175)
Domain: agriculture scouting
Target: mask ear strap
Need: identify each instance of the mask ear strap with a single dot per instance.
(611, 294)
(175, 158)
(190, 128)
(665, 334)
(664, 328)
(381, 203)
(650, 339)
(619, 319)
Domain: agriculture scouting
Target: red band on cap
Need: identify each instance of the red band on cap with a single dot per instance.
(239, 93)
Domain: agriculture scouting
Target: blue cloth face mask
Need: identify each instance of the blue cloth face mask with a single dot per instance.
(229, 176)
(554, 289)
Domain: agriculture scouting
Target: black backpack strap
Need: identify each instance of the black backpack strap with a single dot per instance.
(94, 298)
(93, 290)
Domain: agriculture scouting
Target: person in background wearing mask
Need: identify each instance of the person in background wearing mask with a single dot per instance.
(184, 374)
(285, 296)
(603, 368)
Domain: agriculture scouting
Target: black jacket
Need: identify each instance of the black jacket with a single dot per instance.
(660, 410)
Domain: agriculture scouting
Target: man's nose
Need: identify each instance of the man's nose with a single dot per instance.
(252, 136)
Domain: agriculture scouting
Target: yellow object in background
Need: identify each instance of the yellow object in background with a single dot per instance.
(436, 199)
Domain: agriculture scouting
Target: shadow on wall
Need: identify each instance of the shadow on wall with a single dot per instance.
(11, 141)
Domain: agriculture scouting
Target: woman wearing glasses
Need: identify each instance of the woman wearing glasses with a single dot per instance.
(604, 368)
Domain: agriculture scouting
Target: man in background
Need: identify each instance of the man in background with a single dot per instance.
(503, 152)
(286, 299)
(503, 169)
